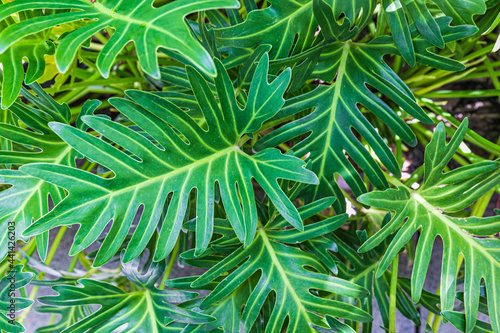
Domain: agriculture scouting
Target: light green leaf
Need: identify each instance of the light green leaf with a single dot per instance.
(134, 20)
(27, 199)
(426, 209)
(199, 158)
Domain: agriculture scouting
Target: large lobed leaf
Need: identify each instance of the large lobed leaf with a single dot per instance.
(356, 67)
(291, 27)
(288, 271)
(227, 311)
(360, 269)
(189, 157)
(277, 25)
(134, 20)
(425, 210)
(27, 199)
(69, 316)
(146, 310)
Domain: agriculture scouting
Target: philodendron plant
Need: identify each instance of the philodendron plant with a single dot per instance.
(294, 152)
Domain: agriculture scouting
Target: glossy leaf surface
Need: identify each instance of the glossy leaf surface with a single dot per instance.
(354, 68)
(165, 28)
(27, 199)
(426, 208)
(283, 270)
(199, 158)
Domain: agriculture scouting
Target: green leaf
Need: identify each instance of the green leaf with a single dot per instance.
(283, 270)
(7, 317)
(6, 117)
(134, 20)
(69, 316)
(27, 199)
(417, 12)
(146, 310)
(336, 326)
(278, 25)
(174, 166)
(227, 311)
(343, 20)
(426, 209)
(400, 30)
(360, 269)
(336, 111)
(458, 320)
(462, 11)
(33, 48)
(424, 22)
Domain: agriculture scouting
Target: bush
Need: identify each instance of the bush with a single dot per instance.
(292, 149)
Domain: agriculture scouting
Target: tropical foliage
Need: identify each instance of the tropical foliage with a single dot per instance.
(282, 158)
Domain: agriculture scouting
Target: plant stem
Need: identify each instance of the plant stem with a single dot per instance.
(392, 299)
(171, 261)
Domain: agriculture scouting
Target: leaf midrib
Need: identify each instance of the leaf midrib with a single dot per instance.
(281, 270)
(151, 311)
(180, 170)
(333, 110)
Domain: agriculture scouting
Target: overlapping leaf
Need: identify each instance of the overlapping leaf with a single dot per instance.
(278, 25)
(27, 199)
(6, 295)
(458, 320)
(283, 270)
(397, 11)
(361, 271)
(134, 20)
(69, 316)
(425, 209)
(227, 311)
(187, 157)
(462, 11)
(342, 20)
(336, 326)
(33, 48)
(146, 310)
(336, 112)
